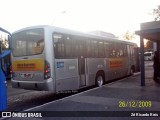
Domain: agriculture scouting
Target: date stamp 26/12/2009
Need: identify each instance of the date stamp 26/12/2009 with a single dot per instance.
(135, 104)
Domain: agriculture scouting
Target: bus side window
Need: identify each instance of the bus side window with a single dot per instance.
(119, 50)
(112, 50)
(128, 50)
(58, 45)
(125, 50)
(117, 47)
(74, 47)
(132, 49)
(82, 47)
(79, 46)
(68, 46)
(106, 49)
(89, 50)
(94, 49)
(100, 49)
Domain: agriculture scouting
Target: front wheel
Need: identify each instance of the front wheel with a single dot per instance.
(99, 80)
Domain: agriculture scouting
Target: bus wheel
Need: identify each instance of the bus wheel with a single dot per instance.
(99, 80)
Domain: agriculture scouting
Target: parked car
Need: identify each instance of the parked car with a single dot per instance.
(148, 56)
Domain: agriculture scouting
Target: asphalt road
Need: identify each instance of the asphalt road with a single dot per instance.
(19, 99)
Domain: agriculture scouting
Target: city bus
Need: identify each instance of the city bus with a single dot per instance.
(56, 59)
(5, 38)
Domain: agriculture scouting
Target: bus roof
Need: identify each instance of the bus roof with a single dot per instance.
(83, 34)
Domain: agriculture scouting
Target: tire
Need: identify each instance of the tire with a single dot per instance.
(99, 80)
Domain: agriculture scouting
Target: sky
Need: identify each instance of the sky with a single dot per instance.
(114, 16)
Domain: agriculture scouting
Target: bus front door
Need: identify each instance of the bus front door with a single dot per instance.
(81, 63)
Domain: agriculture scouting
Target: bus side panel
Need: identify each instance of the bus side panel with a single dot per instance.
(94, 65)
(116, 67)
(123, 71)
(126, 66)
(67, 77)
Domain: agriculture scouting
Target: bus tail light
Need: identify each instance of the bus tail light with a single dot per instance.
(11, 72)
(10, 69)
(47, 71)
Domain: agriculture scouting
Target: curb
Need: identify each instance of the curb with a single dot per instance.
(137, 73)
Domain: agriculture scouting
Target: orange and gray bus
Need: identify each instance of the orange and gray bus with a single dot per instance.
(56, 59)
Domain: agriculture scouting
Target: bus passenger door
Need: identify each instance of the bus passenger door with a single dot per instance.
(81, 62)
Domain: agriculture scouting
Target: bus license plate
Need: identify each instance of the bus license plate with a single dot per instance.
(26, 75)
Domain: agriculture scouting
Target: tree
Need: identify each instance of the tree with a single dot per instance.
(149, 45)
(4, 40)
(128, 36)
(156, 13)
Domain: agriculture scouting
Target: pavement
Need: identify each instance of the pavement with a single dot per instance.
(125, 99)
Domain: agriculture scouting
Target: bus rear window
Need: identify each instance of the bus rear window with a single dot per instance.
(28, 42)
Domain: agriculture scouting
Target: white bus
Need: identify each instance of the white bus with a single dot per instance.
(55, 59)
(148, 56)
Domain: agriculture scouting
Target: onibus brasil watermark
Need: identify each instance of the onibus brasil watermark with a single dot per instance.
(21, 114)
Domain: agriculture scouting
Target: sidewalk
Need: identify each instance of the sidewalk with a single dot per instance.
(120, 96)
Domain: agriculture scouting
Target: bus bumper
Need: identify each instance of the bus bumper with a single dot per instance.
(46, 85)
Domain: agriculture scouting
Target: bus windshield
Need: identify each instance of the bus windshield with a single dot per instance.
(28, 42)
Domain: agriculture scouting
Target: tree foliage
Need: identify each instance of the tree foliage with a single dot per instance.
(156, 13)
(149, 45)
(4, 41)
(128, 36)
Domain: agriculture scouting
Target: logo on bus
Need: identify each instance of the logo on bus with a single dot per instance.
(26, 65)
(115, 63)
